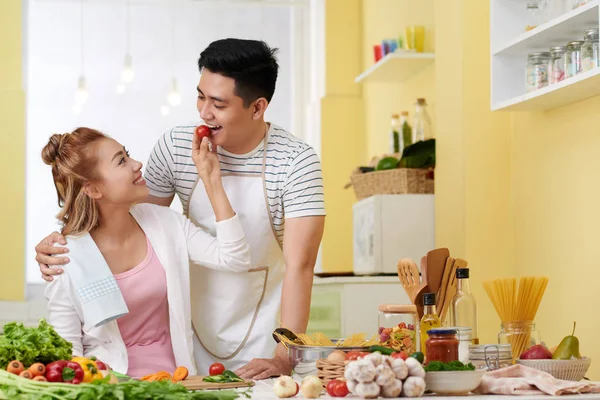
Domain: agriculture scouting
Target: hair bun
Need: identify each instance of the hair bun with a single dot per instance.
(51, 151)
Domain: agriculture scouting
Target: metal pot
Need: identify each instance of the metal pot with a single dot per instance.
(304, 358)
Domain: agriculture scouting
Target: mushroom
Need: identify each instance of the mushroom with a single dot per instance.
(414, 386)
(414, 367)
(392, 390)
(368, 390)
(385, 376)
(399, 367)
(364, 371)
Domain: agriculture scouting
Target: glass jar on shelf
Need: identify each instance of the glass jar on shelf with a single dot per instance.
(574, 66)
(578, 3)
(534, 15)
(537, 70)
(589, 50)
(442, 345)
(558, 64)
(398, 327)
(489, 357)
(521, 335)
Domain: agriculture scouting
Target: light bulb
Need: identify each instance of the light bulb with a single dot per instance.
(174, 98)
(164, 110)
(127, 74)
(81, 95)
(77, 109)
(120, 88)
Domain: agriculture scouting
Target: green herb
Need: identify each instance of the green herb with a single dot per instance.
(13, 387)
(437, 366)
(31, 345)
(226, 377)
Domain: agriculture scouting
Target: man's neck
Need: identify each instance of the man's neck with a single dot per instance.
(257, 135)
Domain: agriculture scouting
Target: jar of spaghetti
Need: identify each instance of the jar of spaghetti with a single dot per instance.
(398, 327)
(521, 335)
(442, 345)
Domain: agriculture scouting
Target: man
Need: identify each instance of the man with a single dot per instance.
(274, 182)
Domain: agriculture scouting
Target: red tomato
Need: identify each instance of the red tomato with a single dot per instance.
(297, 389)
(363, 354)
(352, 355)
(331, 386)
(216, 369)
(400, 354)
(203, 131)
(340, 389)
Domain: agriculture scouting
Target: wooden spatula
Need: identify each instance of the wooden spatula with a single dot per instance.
(408, 273)
(424, 288)
(451, 291)
(449, 270)
(436, 263)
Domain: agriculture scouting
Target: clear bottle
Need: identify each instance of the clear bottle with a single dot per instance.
(463, 307)
(395, 137)
(422, 122)
(574, 66)
(534, 16)
(430, 318)
(406, 129)
(589, 50)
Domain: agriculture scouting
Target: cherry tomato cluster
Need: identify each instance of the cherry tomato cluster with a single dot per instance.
(337, 388)
(355, 355)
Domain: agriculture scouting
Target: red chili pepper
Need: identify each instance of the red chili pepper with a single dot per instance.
(64, 371)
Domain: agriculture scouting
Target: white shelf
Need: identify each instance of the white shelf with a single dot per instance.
(568, 91)
(396, 67)
(557, 32)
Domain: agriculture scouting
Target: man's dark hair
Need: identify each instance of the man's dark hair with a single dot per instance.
(251, 63)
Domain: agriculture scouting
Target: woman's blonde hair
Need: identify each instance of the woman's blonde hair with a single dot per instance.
(73, 162)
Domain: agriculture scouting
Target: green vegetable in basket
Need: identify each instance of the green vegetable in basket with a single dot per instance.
(387, 163)
(419, 155)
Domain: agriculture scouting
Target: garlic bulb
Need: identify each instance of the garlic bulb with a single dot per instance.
(392, 390)
(311, 387)
(385, 376)
(415, 368)
(368, 390)
(364, 371)
(414, 386)
(399, 367)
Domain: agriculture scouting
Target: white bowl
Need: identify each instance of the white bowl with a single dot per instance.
(453, 383)
(569, 370)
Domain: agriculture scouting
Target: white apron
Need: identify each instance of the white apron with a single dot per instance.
(234, 314)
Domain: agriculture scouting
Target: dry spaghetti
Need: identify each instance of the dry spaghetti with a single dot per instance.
(319, 339)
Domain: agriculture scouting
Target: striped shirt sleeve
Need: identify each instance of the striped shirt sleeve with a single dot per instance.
(160, 171)
(303, 187)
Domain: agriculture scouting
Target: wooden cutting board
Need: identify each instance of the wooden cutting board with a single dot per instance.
(196, 383)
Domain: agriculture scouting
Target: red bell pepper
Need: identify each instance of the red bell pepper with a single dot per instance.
(64, 371)
(101, 366)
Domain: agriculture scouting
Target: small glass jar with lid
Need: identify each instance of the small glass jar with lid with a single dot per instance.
(442, 345)
(488, 357)
(589, 50)
(558, 64)
(534, 15)
(574, 58)
(537, 70)
(465, 339)
(521, 335)
(398, 327)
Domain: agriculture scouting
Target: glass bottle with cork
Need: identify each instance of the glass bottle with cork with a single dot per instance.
(422, 122)
(406, 129)
(463, 307)
(430, 318)
(395, 136)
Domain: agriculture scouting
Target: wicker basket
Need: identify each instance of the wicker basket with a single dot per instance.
(393, 181)
(569, 370)
(330, 370)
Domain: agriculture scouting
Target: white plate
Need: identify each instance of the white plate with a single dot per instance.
(453, 383)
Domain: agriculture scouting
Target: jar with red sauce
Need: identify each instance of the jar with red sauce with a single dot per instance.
(442, 345)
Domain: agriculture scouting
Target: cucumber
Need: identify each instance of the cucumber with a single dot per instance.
(382, 349)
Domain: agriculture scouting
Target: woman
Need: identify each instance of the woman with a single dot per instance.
(125, 296)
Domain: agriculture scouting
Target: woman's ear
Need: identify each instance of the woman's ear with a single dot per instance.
(259, 107)
(92, 191)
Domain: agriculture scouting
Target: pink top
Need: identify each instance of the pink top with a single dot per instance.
(145, 330)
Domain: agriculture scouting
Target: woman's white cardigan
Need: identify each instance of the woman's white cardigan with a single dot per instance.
(175, 240)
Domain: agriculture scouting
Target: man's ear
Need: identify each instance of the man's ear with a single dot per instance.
(92, 191)
(259, 106)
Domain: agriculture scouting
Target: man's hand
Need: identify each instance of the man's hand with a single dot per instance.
(44, 251)
(264, 368)
(206, 161)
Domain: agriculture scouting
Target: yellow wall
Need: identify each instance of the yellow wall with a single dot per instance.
(12, 162)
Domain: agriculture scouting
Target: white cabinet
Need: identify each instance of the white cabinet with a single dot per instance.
(342, 306)
(510, 44)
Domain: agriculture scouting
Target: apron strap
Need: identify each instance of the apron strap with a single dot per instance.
(264, 169)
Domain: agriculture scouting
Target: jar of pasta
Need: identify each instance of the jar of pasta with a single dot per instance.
(574, 66)
(521, 335)
(558, 64)
(442, 345)
(398, 327)
(488, 357)
(589, 50)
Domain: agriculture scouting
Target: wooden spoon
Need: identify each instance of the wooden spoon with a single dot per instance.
(442, 297)
(436, 263)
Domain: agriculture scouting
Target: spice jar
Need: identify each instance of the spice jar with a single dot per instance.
(442, 345)
(488, 357)
(537, 70)
(574, 58)
(589, 50)
(398, 326)
(558, 64)
(521, 335)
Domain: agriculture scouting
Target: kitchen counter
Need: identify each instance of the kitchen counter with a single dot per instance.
(264, 390)
(356, 279)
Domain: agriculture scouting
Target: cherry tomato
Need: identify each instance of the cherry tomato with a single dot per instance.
(216, 369)
(340, 389)
(352, 355)
(400, 354)
(331, 386)
(363, 354)
(203, 131)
